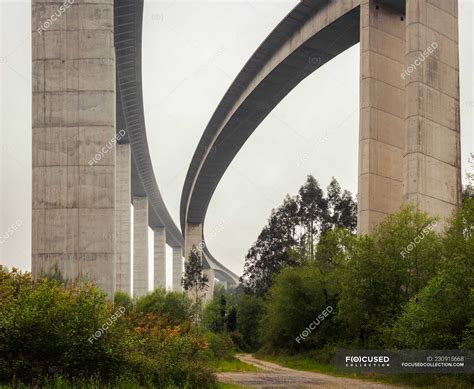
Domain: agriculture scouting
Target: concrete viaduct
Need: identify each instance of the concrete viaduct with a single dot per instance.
(90, 151)
(409, 143)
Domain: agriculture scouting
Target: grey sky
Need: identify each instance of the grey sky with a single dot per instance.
(192, 51)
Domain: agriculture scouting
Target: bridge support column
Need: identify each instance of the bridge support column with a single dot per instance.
(382, 113)
(432, 166)
(177, 268)
(73, 141)
(140, 246)
(160, 258)
(122, 219)
(193, 239)
(210, 291)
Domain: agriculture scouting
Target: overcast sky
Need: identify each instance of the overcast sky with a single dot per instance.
(192, 51)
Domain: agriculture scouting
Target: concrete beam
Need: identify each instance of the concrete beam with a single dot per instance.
(160, 258)
(140, 246)
(382, 113)
(432, 159)
(177, 268)
(123, 219)
(73, 141)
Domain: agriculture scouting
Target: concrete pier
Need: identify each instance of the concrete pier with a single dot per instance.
(432, 167)
(123, 219)
(382, 113)
(193, 238)
(177, 268)
(159, 258)
(210, 290)
(140, 246)
(73, 133)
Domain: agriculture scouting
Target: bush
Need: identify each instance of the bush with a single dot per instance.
(383, 271)
(249, 313)
(50, 333)
(46, 329)
(296, 299)
(441, 315)
(176, 307)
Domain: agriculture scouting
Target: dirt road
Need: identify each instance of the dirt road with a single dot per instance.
(276, 376)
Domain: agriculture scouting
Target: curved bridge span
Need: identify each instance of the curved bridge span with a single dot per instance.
(130, 115)
(400, 153)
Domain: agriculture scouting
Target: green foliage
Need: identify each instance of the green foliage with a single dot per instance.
(249, 313)
(73, 335)
(293, 231)
(384, 271)
(175, 307)
(296, 299)
(441, 314)
(211, 318)
(122, 299)
(404, 286)
(45, 330)
(220, 314)
(194, 280)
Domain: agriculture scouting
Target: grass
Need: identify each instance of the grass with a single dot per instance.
(232, 365)
(434, 381)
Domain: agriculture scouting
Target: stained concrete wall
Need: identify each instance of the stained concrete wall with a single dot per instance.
(382, 113)
(177, 268)
(140, 246)
(432, 173)
(123, 218)
(73, 81)
(193, 237)
(160, 258)
(409, 148)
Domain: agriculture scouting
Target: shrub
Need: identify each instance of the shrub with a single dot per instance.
(174, 306)
(46, 338)
(45, 330)
(249, 312)
(297, 297)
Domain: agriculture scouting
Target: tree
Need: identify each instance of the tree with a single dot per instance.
(313, 213)
(468, 191)
(174, 307)
(343, 208)
(194, 281)
(441, 315)
(296, 300)
(249, 312)
(384, 271)
(293, 231)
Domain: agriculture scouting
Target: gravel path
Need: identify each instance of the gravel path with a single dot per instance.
(276, 376)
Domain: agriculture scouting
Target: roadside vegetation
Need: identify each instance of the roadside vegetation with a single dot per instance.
(409, 285)
(52, 335)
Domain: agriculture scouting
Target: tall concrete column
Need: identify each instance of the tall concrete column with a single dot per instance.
(73, 140)
(140, 246)
(210, 291)
(122, 219)
(177, 268)
(160, 258)
(193, 238)
(382, 113)
(432, 173)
